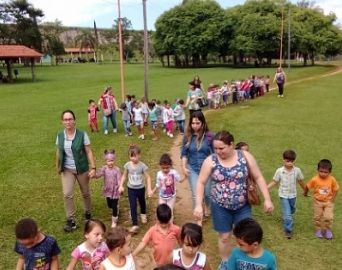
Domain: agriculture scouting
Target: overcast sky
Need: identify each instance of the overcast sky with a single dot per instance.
(104, 12)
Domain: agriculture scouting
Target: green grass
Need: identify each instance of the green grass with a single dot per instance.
(307, 119)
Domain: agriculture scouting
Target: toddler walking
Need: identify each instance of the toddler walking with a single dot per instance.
(120, 257)
(166, 181)
(93, 250)
(92, 116)
(137, 174)
(325, 188)
(111, 181)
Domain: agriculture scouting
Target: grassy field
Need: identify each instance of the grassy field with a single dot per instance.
(305, 120)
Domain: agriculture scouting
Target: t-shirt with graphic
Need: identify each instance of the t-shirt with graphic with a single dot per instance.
(239, 260)
(198, 262)
(323, 188)
(38, 257)
(167, 183)
(90, 260)
(136, 174)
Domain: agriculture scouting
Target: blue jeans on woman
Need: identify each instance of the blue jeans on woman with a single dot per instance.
(112, 119)
(289, 208)
(193, 176)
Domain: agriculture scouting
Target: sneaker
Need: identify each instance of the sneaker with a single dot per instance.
(139, 137)
(115, 130)
(171, 135)
(134, 229)
(288, 235)
(282, 96)
(87, 215)
(319, 234)
(70, 225)
(142, 137)
(143, 218)
(328, 235)
(114, 222)
(106, 132)
(130, 134)
(126, 135)
(278, 95)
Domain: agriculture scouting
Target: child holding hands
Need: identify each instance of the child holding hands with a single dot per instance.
(137, 174)
(111, 181)
(325, 188)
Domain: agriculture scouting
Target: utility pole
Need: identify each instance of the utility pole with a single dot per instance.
(289, 40)
(146, 54)
(281, 35)
(122, 76)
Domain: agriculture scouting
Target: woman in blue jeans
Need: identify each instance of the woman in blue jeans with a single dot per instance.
(108, 104)
(228, 169)
(196, 147)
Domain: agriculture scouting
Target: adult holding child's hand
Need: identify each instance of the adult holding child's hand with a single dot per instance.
(228, 170)
(73, 157)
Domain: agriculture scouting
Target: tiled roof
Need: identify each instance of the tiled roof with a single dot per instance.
(15, 51)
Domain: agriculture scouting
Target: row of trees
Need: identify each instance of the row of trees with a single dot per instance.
(197, 29)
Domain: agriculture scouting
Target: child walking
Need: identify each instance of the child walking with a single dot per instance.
(249, 254)
(325, 188)
(287, 177)
(152, 115)
(163, 236)
(111, 181)
(92, 116)
(126, 119)
(166, 181)
(179, 114)
(168, 119)
(118, 241)
(189, 256)
(93, 250)
(137, 174)
(36, 250)
(139, 119)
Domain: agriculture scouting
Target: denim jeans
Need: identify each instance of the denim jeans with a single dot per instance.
(193, 176)
(127, 126)
(288, 208)
(180, 124)
(112, 119)
(135, 195)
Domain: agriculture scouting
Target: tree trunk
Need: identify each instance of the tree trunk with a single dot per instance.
(32, 70)
(9, 70)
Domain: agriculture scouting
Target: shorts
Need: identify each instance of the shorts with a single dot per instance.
(224, 219)
(138, 123)
(154, 125)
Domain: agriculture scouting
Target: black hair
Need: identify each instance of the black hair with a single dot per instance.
(151, 105)
(90, 224)
(239, 145)
(165, 159)
(123, 106)
(133, 150)
(116, 237)
(324, 164)
(169, 266)
(181, 101)
(91, 101)
(224, 136)
(164, 213)
(290, 155)
(249, 231)
(68, 111)
(26, 228)
(193, 233)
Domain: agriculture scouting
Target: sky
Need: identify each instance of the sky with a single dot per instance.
(83, 12)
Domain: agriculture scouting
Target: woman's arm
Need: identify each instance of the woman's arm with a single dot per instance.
(260, 180)
(58, 169)
(201, 182)
(91, 160)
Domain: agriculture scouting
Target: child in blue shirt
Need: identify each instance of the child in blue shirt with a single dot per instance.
(250, 254)
(36, 250)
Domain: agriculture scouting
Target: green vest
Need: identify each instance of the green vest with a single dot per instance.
(78, 151)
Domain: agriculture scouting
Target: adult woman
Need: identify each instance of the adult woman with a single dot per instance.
(73, 157)
(109, 106)
(279, 77)
(193, 97)
(196, 147)
(228, 169)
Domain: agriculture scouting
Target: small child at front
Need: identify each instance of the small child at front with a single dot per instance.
(36, 250)
(111, 181)
(120, 257)
(93, 250)
(249, 254)
(137, 173)
(163, 236)
(189, 256)
(92, 116)
(166, 181)
(325, 188)
(287, 177)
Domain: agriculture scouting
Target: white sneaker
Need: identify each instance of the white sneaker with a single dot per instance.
(134, 229)
(171, 135)
(114, 222)
(142, 137)
(106, 132)
(126, 135)
(115, 130)
(139, 137)
(143, 218)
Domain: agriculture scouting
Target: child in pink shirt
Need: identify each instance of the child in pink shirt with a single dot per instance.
(163, 236)
(92, 116)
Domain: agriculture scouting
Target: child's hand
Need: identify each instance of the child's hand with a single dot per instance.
(150, 193)
(182, 180)
(121, 189)
(306, 194)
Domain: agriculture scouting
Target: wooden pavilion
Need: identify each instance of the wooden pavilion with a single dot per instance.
(15, 53)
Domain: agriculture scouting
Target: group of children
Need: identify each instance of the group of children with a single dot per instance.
(141, 113)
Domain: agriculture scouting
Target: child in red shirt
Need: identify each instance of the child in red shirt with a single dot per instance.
(92, 116)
